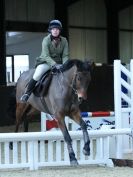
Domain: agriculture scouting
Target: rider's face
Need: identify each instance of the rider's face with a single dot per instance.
(55, 32)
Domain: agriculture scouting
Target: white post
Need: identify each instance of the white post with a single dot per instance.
(117, 104)
(131, 114)
(43, 122)
(117, 93)
(31, 155)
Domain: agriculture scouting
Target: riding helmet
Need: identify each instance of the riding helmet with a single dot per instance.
(55, 24)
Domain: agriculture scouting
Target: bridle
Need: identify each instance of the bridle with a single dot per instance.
(72, 85)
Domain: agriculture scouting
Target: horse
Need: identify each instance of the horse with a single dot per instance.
(67, 88)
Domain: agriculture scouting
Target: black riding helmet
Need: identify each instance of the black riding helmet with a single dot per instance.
(55, 24)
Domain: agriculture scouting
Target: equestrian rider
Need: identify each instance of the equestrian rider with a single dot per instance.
(54, 52)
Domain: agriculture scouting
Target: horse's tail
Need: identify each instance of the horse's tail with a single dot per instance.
(11, 109)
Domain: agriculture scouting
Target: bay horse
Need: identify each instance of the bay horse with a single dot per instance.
(67, 88)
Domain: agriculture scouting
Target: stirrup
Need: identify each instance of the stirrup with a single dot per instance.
(25, 97)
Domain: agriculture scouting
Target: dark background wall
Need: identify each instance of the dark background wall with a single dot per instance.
(7, 105)
(100, 91)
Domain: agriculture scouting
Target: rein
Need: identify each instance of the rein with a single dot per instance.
(73, 83)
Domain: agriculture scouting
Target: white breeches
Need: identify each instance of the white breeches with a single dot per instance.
(40, 70)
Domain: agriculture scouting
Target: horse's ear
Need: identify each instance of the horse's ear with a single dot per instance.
(90, 64)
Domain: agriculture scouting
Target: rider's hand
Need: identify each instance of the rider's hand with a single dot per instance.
(56, 68)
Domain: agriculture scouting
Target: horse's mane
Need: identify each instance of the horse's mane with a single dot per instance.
(81, 66)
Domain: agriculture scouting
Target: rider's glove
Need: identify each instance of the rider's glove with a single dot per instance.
(56, 68)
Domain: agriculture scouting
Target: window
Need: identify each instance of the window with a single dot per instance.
(15, 65)
(9, 69)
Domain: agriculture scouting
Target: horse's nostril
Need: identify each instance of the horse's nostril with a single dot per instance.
(80, 99)
(82, 95)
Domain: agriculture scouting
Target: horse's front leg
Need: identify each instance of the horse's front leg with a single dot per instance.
(78, 119)
(68, 140)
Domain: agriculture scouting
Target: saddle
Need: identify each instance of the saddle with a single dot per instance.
(42, 86)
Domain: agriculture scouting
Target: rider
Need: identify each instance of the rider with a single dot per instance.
(54, 52)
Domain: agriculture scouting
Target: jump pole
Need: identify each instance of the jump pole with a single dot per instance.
(117, 106)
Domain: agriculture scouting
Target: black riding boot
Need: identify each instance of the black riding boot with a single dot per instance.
(29, 90)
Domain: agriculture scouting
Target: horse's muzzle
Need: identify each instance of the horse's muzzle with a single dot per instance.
(82, 95)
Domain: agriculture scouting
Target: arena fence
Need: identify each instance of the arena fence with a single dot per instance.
(38, 149)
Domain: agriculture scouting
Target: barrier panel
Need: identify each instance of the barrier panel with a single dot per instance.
(38, 149)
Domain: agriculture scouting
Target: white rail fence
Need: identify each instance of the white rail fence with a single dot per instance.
(38, 149)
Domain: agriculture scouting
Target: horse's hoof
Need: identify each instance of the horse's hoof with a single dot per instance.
(87, 153)
(74, 163)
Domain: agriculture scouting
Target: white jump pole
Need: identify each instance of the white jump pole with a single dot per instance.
(43, 122)
(117, 93)
(131, 114)
(117, 105)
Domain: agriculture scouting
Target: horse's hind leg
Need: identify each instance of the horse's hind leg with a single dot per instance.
(78, 119)
(18, 120)
(21, 116)
(26, 125)
(21, 111)
(68, 140)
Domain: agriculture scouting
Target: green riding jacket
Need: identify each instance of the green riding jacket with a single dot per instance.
(51, 54)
